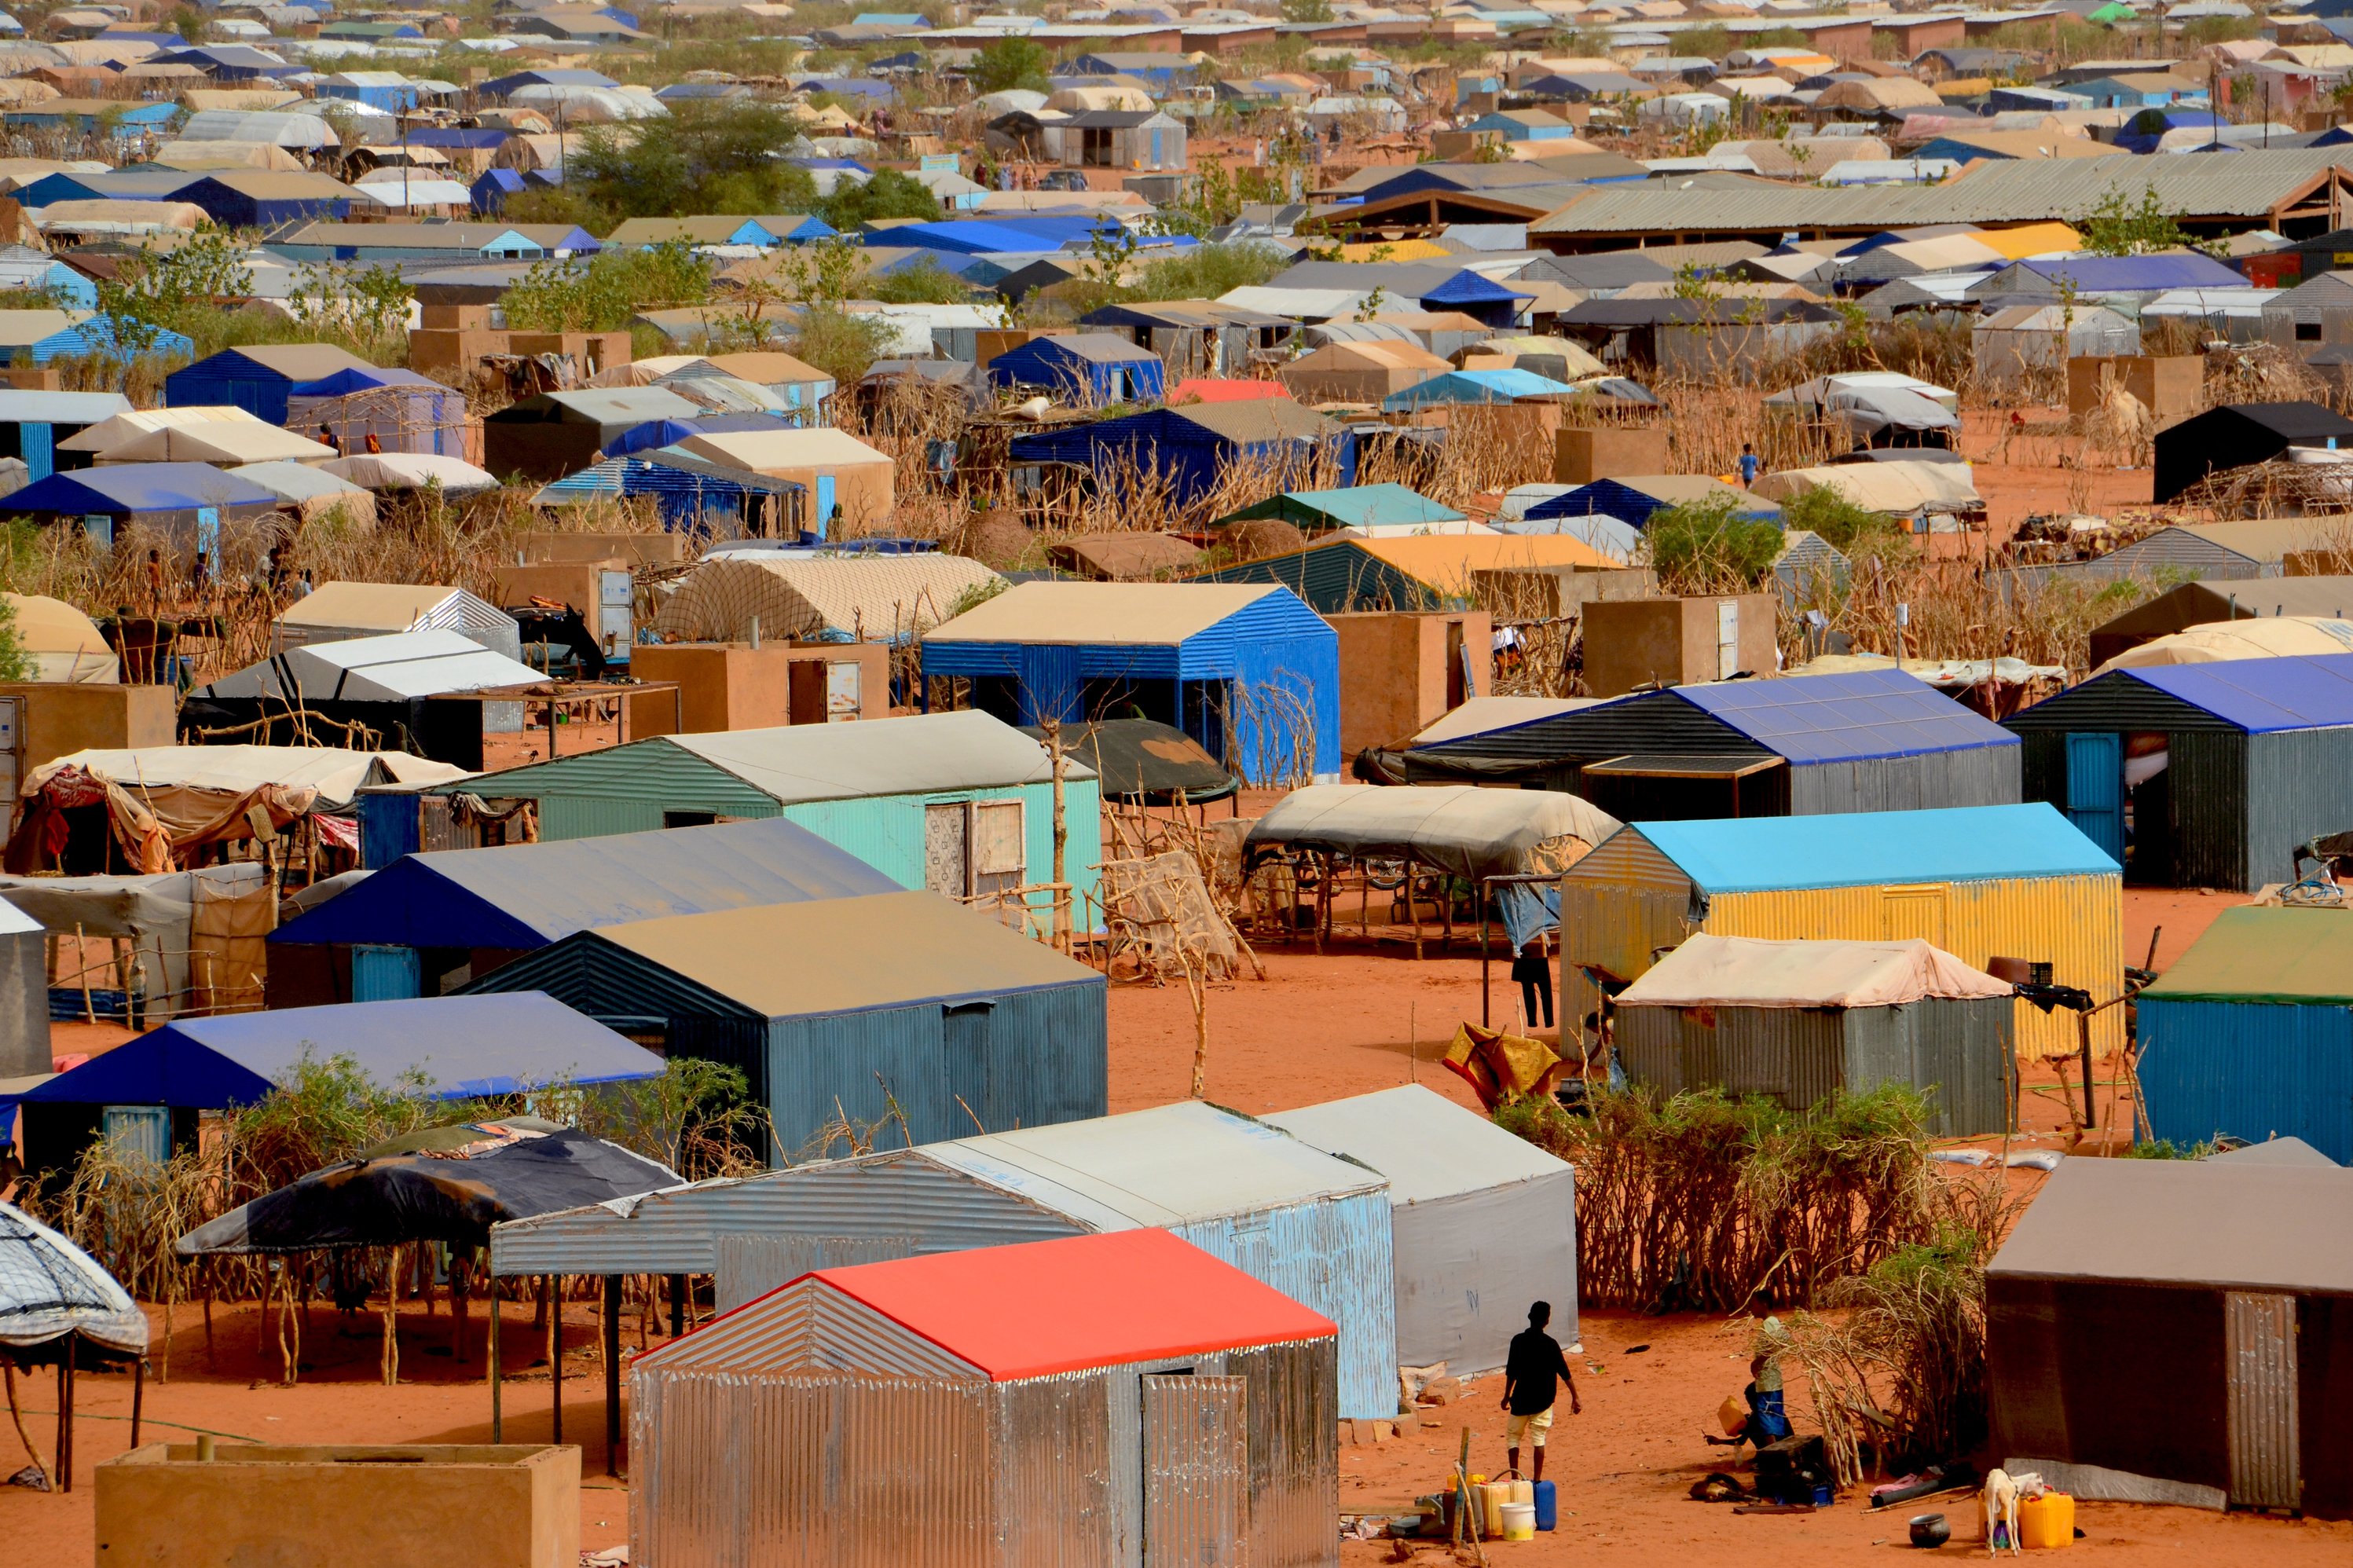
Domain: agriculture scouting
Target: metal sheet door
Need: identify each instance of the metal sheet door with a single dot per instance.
(1196, 1472)
(1728, 638)
(947, 849)
(2259, 1332)
(386, 973)
(2095, 790)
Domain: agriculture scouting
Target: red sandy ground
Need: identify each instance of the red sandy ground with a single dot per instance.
(1319, 1028)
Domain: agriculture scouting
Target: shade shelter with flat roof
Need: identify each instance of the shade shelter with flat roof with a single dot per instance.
(2249, 1034)
(2178, 1331)
(897, 1011)
(2226, 767)
(1106, 1399)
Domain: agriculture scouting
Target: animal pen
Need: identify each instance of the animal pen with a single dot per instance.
(1100, 1402)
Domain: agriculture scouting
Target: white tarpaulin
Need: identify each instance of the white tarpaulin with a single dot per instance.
(50, 1288)
(2268, 637)
(1900, 490)
(379, 669)
(1746, 972)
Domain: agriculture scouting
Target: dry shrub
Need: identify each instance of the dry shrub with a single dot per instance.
(1254, 538)
(2271, 490)
(2261, 373)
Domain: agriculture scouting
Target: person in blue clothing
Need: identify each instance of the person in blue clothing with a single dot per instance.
(1534, 1370)
(1748, 464)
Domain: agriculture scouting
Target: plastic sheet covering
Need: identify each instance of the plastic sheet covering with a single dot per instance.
(50, 1288)
(1898, 488)
(198, 937)
(1744, 972)
(2269, 636)
(752, 1265)
(779, 1471)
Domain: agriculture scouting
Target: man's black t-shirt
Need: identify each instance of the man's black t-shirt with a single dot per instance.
(1535, 1368)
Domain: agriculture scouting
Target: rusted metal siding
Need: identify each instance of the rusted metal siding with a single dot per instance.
(2076, 923)
(2265, 1444)
(1196, 1472)
(1618, 904)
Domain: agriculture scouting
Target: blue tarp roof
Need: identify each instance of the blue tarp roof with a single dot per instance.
(2093, 274)
(1030, 232)
(658, 433)
(1845, 718)
(527, 895)
(1476, 386)
(1959, 843)
(1469, 287)
(2262, 696)
(138, 487)
(459, 1046)
(368, 378)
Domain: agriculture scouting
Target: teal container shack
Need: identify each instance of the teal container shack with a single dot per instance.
(959, 804)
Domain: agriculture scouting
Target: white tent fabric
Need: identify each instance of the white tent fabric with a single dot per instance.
(589, 105)
(411, 472)
(1900, 490)
(50, 1288)
(64, 644)
(379, 669)
(309, 132)
(1462, 829)
(2270, 637)
(221, 442)
(1747, 972)
(122, 428)
(333, 772)
(414, 192)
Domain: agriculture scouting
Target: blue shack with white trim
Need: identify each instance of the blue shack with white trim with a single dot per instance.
(2249, 1034)
(2200, 775)
(1249, 671)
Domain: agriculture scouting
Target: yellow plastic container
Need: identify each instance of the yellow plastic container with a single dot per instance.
(2046, 1521)
(1523, 1490)
(1519, 1521)
(1492, 1496)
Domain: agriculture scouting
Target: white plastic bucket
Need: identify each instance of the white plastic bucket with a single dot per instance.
(1519, 1521)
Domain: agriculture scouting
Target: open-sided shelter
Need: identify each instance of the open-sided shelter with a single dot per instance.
(2249, 1034)
(1482, 1222)
(1980, 883)
(443, 1047)
(1312, 1225)
(1249, 673)
(1107, 1400)
(442, 916)
(553, 434)
(2225, 767)
(959, 803)
(1806, 744)
(1795, 1021)
(2178, 1331)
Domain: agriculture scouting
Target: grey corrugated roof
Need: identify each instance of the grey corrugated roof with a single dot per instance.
(2245, 184)
(912, 754)
(2242, 1226)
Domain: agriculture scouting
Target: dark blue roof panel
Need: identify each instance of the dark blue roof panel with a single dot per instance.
(1845, 718)
(138, 487)
(2263, 695)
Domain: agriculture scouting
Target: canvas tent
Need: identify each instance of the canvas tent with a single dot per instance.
(1899, 488)
(64, 644)
(387, 683)
(224, 442)
(1359, 373)
(2011, 344)
(195, 937)
(1870, 416)
(794, 597)
(1482, 1222)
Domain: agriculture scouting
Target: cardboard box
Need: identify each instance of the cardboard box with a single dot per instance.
(341, 1506)
(1583, 454)
(1676, 642)
(1400, 672)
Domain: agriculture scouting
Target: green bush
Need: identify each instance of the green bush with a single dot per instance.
(1704, 547)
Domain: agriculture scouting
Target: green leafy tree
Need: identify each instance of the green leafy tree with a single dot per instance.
(842, 345)
(2118, 227)
(601, 294)
(367, 305)
(1306, 10)
(1704, 546)
(189, 22)
(1825, 511)
(888, 194)
(1010, 62)
(926, 283)
(156, 292)
(713, 157)
(16, 663)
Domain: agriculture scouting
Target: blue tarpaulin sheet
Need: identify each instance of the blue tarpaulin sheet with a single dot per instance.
(452, 1048)
(372, 378)
(527, 895)
(139, 487)
(1955, 843)
(1846, 718)
(1476, 386)
(2263, 695)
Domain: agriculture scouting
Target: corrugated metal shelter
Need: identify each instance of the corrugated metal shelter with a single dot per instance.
(1092, 368)
(1312, 1225)
(1799, 746)
(2178, 1331)
(1195, 447)
(1482, 1222)
(258, 378)
(338, 612)
(1249, 673)
(2221, 769)
(1795, 1021)
(1100, 1401)
(959, 803)
(2249, 1034)
(389, 683)
(2010, 881)
(428, 916)
(896, 1006)
(179, 506)
(1424, 573)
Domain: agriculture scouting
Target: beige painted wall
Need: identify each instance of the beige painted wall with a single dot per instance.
(734, 686)
(1629, 642)
(1393, 671)
(61, 717)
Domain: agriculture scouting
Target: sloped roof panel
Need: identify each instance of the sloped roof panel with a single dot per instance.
(1955, 843)
(1842, 717)
(2263, 695)
(909, 755)
(1428, 1146)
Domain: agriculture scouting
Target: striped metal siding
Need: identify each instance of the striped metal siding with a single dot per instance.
(899, 1194)
(2116, 701)
(2074, 923)
(569, 816)
(652, 773)
(1336, 1255)
(887, 831)
(2207, 784)
(1276, 644)
(1295, 1456)
(1335, 579)
(1196, 1471)
(2254, 1070)
(1618, 905)
(813, 1470)
(1954, 1050)
(2299, 783)
(1067, 1469)
(1794, 1055)
(1046, 1061)
(1979, 775)
(752, 1265)
(1660, 722)
(1097, 661)
(2260, 1332)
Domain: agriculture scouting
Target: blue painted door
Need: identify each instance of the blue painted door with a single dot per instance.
(824, 503)
(35, 443)
(208, 534)
(385, 973)
(2095, 790)
(139, 1131)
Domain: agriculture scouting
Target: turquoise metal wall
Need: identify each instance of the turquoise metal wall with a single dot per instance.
(887, 831)
(2255, 1070)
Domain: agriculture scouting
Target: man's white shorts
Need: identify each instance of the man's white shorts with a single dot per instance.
(1539, 1423)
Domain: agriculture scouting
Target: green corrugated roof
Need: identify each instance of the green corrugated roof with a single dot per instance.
(1358, 506)
(2256, 953)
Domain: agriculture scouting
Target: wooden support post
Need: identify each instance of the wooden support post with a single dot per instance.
(65, 1415)
(2083, 1034)
(612, 1374)
(491, 1370)
(554, 1359)
(1413, 909)
(138, 1396)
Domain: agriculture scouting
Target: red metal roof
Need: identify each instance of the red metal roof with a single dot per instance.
(1046, 1307)
(1201, 389)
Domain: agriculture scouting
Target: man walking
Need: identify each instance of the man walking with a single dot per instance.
(1529, 1388)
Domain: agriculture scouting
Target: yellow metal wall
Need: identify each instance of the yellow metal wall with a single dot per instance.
(2074, 923)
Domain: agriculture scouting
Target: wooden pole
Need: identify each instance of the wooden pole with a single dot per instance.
(392, 1317)
(612, 1374)
(554, 1359)
(1053, 727)
(2083, 1034)
(65, 1416)
(138, 1396)
(16, 1414)
(490, 1370)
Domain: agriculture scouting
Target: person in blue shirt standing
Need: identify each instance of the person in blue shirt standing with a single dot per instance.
(1748, 464)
